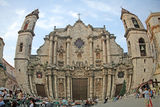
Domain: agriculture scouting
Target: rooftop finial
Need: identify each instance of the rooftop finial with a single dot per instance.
(79, 16)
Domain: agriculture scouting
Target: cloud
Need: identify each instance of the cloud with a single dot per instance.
(102, 6)
(73, 14)
(42, 14)
(49, 23)
(58, 9)
(3, 3)
(15, 26)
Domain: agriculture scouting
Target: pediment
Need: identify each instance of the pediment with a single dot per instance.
(79, 25)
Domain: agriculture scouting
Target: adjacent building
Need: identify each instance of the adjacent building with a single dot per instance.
(7, 79)
(153, 31)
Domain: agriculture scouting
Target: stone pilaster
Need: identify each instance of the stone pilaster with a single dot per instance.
(130, 80)
(113, 86)
(109, 84)
(46, 85)
(55, 87)
(68, 51)
(91, 87)
(104, 86)
(91, 51)
(108, 50)
(71, 86)
(68, 86)
(30, 82)
(104, 49)
(51, 50)
(50, 84)
(65, 87)
(55, 51)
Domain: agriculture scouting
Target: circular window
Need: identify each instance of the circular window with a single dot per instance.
(79, 43)
(120, 74)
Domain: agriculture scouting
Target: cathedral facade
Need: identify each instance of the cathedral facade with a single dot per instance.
(81, 62)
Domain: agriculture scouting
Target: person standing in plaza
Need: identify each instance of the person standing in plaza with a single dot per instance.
(151, 95)
(146, 97)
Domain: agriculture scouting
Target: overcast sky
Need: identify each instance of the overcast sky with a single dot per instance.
(60, 13)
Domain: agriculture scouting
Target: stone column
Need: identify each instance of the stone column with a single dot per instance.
(55, 87)
(47, 90)
(104, 50)
(68, 51)
(91, 51)
(30, 82)
(108, 50)
(91, 87)
(71, 86)
(50, 84)
(113, 86)
(130, 81)
(55, 51)
(65, 87)
(50, 50)
(68, 87)
(104, 87)
(109, 84)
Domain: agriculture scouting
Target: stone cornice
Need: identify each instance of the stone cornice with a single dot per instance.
(152, 15)
(133, 29)
(21, 59)
(142, 57)
(23, 31)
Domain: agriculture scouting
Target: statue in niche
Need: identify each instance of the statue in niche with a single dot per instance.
(98, 87)
(98, 55)
(61, 88)
(79, 56)
(61, 56)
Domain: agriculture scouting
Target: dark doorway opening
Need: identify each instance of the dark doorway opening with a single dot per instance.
(118, 89)
(41, 90)
(79, 88)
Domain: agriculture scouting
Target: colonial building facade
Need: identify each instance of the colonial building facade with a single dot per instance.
(81, 61)
(153, 30)
(7, 79)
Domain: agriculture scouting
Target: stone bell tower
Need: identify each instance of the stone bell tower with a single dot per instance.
(138, 48)
(23, 49)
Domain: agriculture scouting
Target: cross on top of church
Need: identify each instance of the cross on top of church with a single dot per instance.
(79, 16)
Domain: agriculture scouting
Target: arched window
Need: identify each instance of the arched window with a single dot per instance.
(142, 47)
(21, 47)
(135, 23)
(26, 25)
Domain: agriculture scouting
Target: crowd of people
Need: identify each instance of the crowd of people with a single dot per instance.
(147, 94)
(19, 99)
